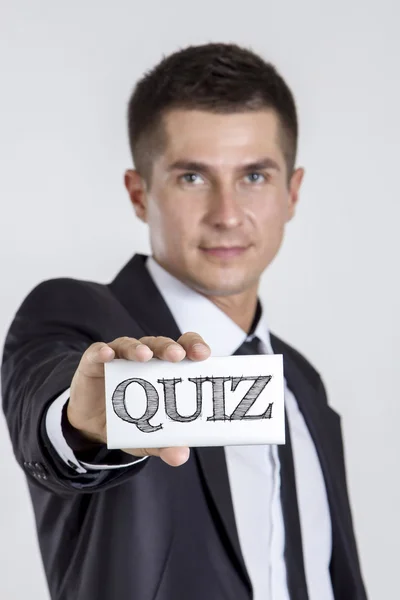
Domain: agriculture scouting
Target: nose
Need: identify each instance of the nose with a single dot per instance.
(225, 210)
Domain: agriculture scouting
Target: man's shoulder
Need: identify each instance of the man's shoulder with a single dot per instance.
(64, 291)
(309, 371)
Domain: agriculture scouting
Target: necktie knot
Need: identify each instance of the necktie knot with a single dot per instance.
(252, 346)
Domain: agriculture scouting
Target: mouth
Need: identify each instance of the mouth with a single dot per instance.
(225, 251)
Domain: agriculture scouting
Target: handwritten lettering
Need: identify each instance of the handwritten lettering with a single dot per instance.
(170, 402)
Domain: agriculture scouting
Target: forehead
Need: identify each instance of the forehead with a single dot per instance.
(224, 138)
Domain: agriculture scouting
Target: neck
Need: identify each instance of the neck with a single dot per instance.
(240, 308)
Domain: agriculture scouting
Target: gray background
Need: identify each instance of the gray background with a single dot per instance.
(67, 69)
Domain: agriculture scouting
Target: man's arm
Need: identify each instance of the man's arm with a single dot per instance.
(42, 351)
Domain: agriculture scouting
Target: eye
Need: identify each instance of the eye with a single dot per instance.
(193, 178)
(256, 177)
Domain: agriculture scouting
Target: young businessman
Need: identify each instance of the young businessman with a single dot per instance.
(213, 134)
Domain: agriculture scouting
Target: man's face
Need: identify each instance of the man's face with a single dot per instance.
(219, 199)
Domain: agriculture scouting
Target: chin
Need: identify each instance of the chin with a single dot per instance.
(216, 287)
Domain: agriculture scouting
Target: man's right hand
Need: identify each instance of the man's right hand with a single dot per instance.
(86, 409)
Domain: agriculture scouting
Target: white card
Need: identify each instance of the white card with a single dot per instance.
(235, 400)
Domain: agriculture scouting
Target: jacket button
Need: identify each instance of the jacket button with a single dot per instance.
(40, 468)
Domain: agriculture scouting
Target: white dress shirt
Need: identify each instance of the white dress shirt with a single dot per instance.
(254, 471)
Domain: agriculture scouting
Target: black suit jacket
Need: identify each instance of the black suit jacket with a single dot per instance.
(148, 531)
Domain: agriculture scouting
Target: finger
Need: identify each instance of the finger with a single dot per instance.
(131, 349)
(93, 359)
(164, 348)
(175, 457)
(194, 345)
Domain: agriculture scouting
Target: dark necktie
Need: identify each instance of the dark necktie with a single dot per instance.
(293, 546)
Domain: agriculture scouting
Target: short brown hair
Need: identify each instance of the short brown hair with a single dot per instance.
(217, 77)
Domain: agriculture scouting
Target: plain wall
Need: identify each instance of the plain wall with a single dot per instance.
(67, 69)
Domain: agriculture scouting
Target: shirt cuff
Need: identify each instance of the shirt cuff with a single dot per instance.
(57, 439)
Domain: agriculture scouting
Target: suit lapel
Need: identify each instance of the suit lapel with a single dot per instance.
(324, 427)
(317, 415)
(214, 470)
(137, 292)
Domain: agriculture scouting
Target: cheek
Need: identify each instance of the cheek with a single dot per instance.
(170, 224)
(160, 215)
(269, 216)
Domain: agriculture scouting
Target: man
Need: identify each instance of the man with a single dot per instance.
(213, 133)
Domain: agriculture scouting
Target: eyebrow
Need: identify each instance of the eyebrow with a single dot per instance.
(199, 167)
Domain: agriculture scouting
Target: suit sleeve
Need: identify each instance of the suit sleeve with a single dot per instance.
(51, 330)
(56, 422)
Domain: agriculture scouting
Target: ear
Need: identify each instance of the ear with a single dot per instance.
(137, 191)
(294, 189)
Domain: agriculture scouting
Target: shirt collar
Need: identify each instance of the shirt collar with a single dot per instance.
(194, 312)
